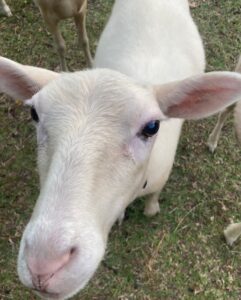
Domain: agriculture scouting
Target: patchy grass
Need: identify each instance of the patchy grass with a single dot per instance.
(179, 254)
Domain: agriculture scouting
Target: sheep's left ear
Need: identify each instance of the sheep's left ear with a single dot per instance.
(199, 96)
(21, 81)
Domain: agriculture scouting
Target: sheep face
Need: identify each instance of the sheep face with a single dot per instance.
(93, 150)
(95, 132)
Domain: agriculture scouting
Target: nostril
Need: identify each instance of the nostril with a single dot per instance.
(43, 269)
(73, 250)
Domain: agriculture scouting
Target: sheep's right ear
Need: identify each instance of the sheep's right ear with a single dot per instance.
(199, 96)
(20, 81)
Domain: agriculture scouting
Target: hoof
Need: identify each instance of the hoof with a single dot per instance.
(211, 145)
(152, 209)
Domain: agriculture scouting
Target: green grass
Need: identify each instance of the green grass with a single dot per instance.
(179, 254)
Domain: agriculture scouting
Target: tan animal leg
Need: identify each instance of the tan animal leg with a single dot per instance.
(215, 134)
(80, 22)
(59, 40)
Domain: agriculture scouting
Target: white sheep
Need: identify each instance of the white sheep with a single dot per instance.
(222, 117)
(53, 11)
(4, 9)
(107, 136)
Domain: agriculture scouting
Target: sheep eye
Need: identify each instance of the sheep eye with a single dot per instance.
(150, 129)
(34, 114)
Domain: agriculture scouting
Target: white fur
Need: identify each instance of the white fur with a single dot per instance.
(93, 158)
(4, 8)
(53, 11)
(153, 52)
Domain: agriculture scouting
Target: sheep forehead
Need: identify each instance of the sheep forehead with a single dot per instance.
(97, 92)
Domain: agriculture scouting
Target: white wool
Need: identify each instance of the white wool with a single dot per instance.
(95, 150)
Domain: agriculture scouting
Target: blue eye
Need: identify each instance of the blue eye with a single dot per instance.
(150, 129)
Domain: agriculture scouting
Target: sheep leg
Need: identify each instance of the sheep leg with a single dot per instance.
(232, 233)
(4, 9)
(121, 217)
(152, 205)
(215, 134)
(59, 40)
(80, 23)
(61, 47)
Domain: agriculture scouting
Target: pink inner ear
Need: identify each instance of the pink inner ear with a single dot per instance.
(197, 99)
(206, 98)
(15, 83)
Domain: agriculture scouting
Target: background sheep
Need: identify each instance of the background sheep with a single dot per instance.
(53, 11)
(222, 117)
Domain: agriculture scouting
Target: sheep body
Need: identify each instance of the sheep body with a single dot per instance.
(151, 59)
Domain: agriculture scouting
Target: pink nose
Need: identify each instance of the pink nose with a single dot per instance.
(42, 270)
